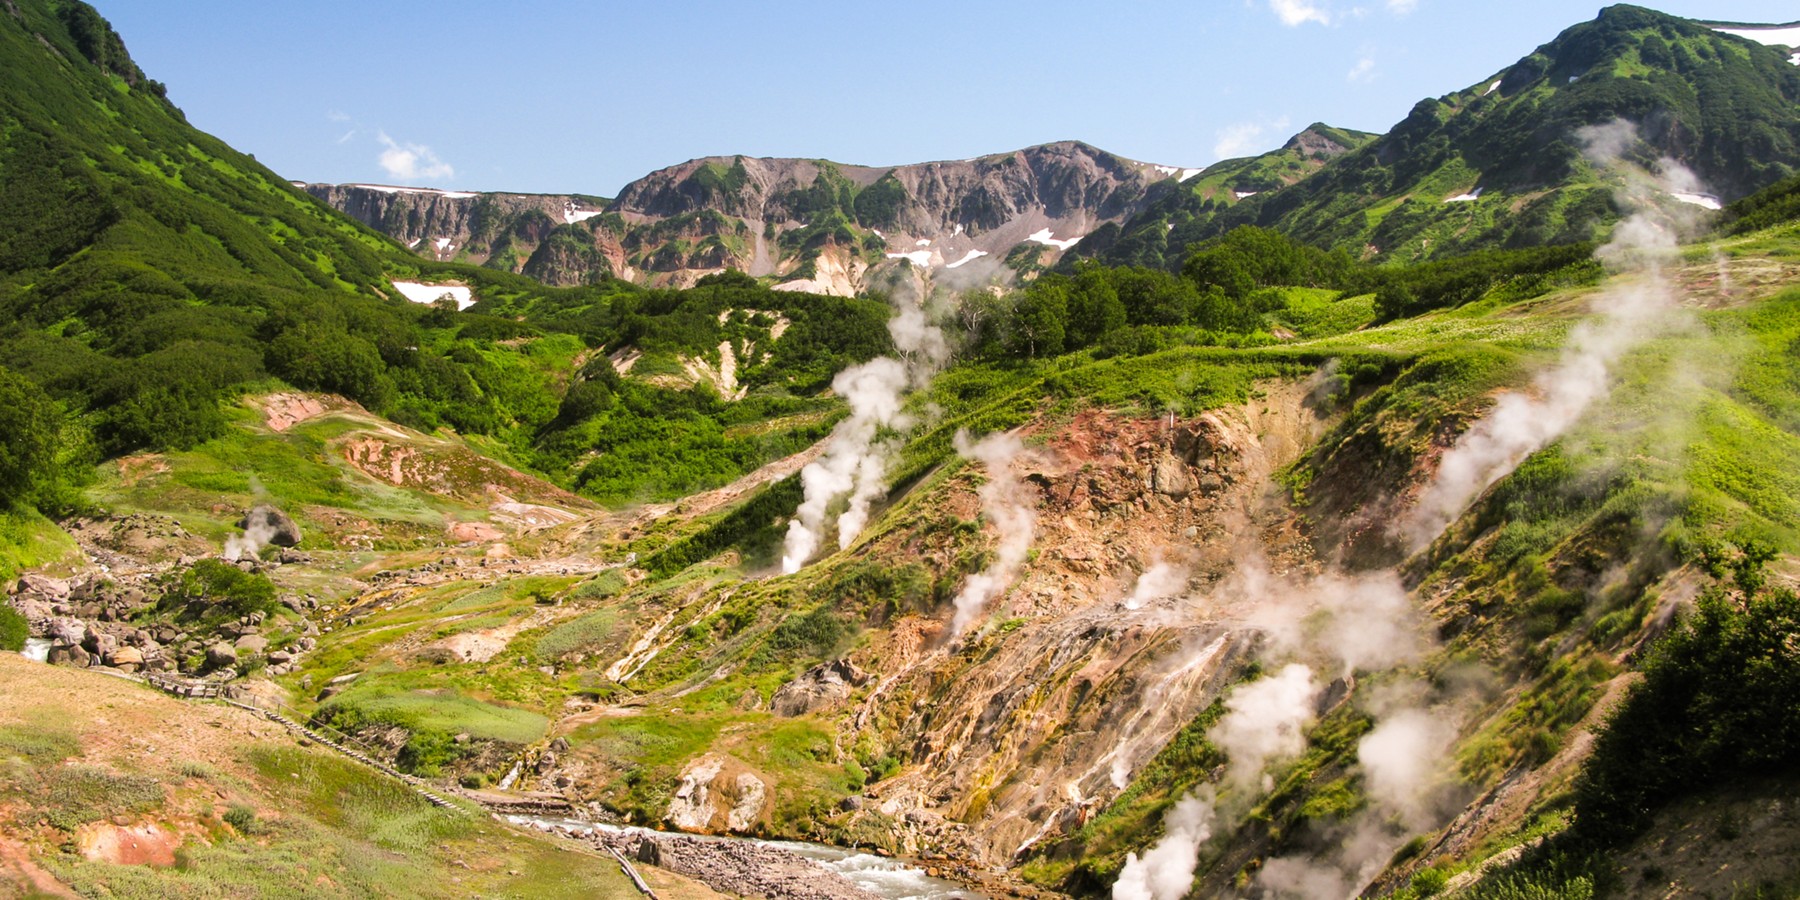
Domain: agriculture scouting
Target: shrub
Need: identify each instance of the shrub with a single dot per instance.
(214, 590)
(13, 629)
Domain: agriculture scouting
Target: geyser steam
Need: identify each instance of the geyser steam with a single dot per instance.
(854, 465)
(1629, 313)
(1007, 504)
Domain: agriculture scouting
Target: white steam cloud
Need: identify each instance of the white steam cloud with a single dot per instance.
(1009, 506)
(1266, 722)
(1405, 762)
(257, 534)
(1349, 623)
(854, 465)
(1159, 581)
(1166, 870)
(1630, 313)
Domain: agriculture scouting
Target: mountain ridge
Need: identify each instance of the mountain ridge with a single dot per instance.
(786, 218)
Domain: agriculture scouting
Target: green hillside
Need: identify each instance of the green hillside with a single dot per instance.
(1719, 104)
(543, 541)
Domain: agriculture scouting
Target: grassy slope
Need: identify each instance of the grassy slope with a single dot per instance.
(252, 813)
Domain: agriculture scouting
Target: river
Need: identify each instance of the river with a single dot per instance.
(886, 877)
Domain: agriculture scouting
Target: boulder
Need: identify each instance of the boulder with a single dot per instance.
(1169, 477)
(69, 655)
(67, 631)
(43, 585)
(251, 643)
(221, 656)
(129, 659)
(271, 525)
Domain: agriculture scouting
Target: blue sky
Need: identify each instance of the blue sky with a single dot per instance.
(564, 96)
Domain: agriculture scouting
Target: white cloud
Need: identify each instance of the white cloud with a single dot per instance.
(1363, 71)
(411, 162)
(1402, 7)
(337, 115)
(347, 136)
(1245, 138)
(1294, 13)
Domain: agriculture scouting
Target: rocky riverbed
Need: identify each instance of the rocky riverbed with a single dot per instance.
(773, 870)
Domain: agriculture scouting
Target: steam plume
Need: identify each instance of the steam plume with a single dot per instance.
(257, 534)
(1008, 505)
(1160, 580)
(1629, 313)
(854, 465)
(1166, 870)
(1266, 722)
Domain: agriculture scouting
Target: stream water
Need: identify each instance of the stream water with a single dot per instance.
(37, 648)
(886, 877)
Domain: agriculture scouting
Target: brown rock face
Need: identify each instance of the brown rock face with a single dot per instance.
(752, 214)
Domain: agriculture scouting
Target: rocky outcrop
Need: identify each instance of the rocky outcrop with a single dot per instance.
(719, 794)
(822, 687)
(447, 225)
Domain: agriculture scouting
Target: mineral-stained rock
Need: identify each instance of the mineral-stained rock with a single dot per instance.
(1169, 477)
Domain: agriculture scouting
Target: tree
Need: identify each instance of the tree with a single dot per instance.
(29, 427)
(1040, 321)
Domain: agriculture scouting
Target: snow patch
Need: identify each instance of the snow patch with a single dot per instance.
(1166, 170)
(920, 258)
(1043, 236)
(958, 230)
(1572, 78)
(1492, 87)
(1705, 200)
(431, 293)
(415, 244)
(390, 189)
(573, 213)
(1189, 173)
(1774, 35)
(1465, 198)
(442, 244)
(972, 255)
(1241, 195)
(922, 242)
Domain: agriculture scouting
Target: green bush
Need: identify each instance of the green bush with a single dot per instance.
(213, 590)
(13, 629)
(1720, 699)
